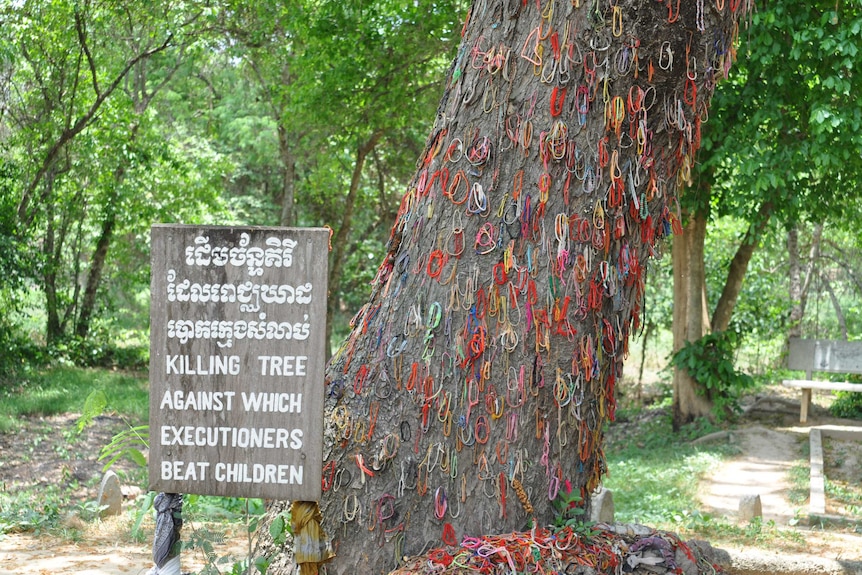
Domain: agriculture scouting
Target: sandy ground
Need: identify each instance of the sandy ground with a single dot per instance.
(26, 554)
(103, 549)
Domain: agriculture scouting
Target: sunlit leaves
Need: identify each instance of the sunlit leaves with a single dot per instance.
(787, 125)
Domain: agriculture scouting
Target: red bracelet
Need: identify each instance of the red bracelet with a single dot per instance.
(436, 263)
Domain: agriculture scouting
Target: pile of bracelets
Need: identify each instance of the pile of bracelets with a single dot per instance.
(561, 551)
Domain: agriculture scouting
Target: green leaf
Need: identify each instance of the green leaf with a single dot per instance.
(276, 528)
(94, 406)
(262, 564)
(136, 456)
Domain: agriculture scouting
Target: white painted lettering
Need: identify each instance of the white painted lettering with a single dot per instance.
(283, 366)
(272, 402)
(180, 471)
(198, 400)
(202, 365)
(258, 473)
(296, 440)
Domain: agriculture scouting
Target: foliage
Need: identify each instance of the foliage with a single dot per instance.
(99, 350)
(206, 538)
(784, 126)
(709, 360)
(195, 132)
(30, 511)
(763, 305)
(130, 443)
(778, 151)
(569, 511)
(847, 404)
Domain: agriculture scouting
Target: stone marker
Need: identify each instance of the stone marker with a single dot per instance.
(110, 495)
(750, 507)
(602, 506)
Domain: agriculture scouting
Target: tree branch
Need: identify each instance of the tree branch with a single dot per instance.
(25, 216)
(738, 266)
(82, 39)
(836, 305)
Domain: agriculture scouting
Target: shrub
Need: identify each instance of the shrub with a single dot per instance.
(710, 361)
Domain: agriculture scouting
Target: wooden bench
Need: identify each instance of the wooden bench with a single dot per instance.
(823, 355)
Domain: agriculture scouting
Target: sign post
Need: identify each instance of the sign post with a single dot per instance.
(237, 345)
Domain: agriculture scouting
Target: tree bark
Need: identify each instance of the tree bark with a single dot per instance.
(738, 267)
(477, 378)
(697, 318)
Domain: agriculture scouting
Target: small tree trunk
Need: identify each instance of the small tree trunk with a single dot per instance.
(288, 175)
(646, 335)
(53, 326)
(799, 285)
(94, 276)
(836, 305)
(738, 267)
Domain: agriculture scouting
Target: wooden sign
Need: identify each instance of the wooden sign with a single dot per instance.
(237, 344)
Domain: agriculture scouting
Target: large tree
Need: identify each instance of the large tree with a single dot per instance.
(778, 149)
(478, 376)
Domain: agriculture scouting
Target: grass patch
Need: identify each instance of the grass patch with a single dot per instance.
(653, 471)
(654, 475)
(757, 532)
(846, 496)
(64, 389)
(800, 483)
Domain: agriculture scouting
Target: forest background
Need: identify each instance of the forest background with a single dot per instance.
(117, 116)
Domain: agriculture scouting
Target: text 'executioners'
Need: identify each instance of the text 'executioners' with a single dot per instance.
(242, 437)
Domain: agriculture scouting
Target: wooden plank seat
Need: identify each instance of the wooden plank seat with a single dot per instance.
(822, 355)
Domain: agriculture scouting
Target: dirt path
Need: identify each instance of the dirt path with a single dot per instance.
(27, 555)
(761, 469)
(103, 549)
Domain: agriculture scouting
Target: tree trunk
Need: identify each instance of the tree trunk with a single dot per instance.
(339, 242)
(689, 400)
(798, 284)
(94, 276)
(53, 326)
(836, 305)
(476, 380)
(288, 175)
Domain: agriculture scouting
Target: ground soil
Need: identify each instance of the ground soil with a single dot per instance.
(48, 452)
